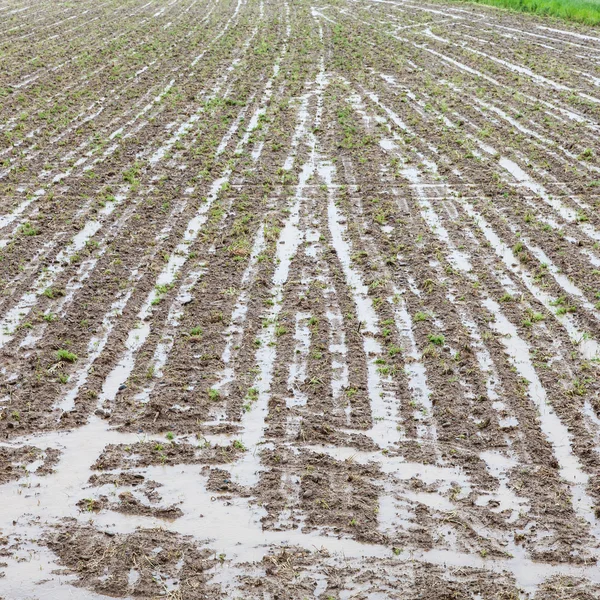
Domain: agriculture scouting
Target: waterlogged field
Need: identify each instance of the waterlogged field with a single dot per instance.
(298, 300)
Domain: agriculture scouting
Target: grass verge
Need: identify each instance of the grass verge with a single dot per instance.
(581, 11)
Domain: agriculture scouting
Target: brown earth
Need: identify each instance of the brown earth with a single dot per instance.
(298, 300)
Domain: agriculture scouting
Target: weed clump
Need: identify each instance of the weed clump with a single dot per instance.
(66, 356)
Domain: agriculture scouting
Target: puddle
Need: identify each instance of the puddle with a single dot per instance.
(235, 330)
(384, 404)
(253, 421)
(139, 333)
(33, 577)
(554, 430)
(415, 369)
(167, 341)
(588, 347)
(299, 365)
(498, 466)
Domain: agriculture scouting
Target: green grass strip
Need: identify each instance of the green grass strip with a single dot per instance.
(581, 11)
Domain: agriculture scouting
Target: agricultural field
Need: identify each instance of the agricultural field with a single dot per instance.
(298, 299)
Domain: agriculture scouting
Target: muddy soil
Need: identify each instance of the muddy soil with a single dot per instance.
(298, 300)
